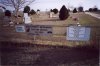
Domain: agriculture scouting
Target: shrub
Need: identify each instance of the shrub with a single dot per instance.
(8, 13)
(26, 9)
(38, 10)
(51, 10)
(80, 9)
(64, 13)
(75, 10)
(90, 9)
(55, 11)
(95, 9)
(32, 12)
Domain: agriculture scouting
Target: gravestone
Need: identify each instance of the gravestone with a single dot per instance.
(11, 23)
(27, 19)
(38, 12)
(51, 14)
(20, 28)
(78, 33)
(41, 30)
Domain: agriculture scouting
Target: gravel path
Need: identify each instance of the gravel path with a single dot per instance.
(93, 14)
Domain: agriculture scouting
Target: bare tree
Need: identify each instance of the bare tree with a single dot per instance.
(16, 4)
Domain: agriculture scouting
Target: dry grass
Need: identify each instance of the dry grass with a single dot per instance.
(82, 63)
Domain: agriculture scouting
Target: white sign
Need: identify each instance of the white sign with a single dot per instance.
(20, 28)
(42, 30)
(78, 33)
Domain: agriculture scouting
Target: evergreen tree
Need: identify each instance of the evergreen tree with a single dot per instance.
(75, 10)
(38, 10)
(80, 9)
(8, 13)
(32, 12)
(51, 10)
(64, 13)
(26, 9)
(90, 9)
(95, 9)
(55, 11)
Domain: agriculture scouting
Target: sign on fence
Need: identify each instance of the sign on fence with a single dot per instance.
(20, 28)
(42, 30)
(78, 33)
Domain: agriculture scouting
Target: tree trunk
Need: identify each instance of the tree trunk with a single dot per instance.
(16, 14)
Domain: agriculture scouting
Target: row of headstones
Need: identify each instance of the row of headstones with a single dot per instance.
(26, 19)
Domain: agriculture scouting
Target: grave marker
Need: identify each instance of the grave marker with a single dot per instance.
(20, 28)
(51, 14)
(41, 30)
(78, 33)
(27, 19)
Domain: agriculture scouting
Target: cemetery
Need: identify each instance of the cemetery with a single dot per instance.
(46, 38)
(59, 28)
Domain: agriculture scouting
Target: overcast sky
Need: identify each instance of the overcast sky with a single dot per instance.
(44, 5)
(50, 4)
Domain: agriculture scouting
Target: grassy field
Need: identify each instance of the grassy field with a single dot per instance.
(83, 20)
(59, 27)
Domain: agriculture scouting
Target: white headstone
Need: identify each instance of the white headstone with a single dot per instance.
(51, 14)
(26, 15)
(11, 23)
(38, 12)
(27, 19)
